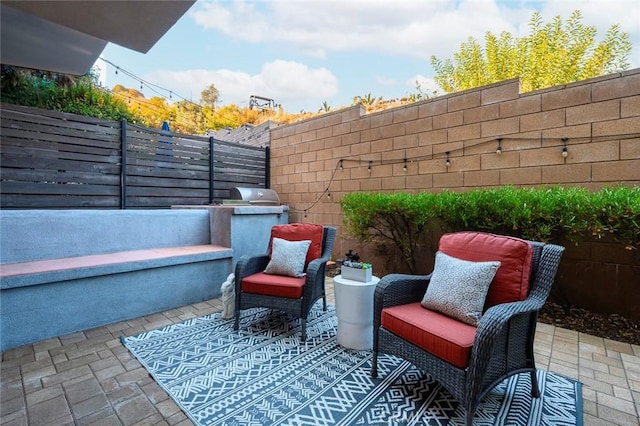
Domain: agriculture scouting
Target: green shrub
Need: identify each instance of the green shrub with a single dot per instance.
(79, 96)
(399, 218)
(617, 211)
(549, 214)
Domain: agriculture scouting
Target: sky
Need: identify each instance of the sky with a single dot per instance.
(303, 53)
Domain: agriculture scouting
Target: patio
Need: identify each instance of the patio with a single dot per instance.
(90, 378)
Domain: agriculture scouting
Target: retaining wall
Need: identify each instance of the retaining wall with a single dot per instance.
(315, 162)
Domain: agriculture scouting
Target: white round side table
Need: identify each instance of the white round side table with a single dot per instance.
(354, 309)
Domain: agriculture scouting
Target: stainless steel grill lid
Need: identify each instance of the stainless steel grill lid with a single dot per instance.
(260, 196)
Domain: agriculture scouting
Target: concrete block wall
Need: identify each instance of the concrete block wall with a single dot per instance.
(599, 117)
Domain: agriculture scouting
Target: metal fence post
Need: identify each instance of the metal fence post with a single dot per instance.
(211, 171)
(123, 167)
(267, 170)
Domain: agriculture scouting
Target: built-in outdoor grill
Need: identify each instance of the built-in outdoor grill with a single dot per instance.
(253, 196)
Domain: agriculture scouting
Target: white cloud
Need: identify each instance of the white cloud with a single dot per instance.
(411, 28)
(284, 81)
(414, 28)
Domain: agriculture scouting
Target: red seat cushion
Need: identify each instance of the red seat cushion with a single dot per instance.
(438, 334)
(301, 232)
(511, 282)
(274, 285)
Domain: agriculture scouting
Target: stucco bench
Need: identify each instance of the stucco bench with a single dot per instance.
(66, 271)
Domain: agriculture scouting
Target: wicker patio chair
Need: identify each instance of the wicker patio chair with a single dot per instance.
(502, 344)
(294, 295)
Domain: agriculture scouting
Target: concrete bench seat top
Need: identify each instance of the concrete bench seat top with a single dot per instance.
(98, 264)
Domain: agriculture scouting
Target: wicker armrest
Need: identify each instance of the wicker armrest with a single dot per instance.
(496, 318)
(316, 264)
(315, 277)
(247, 265)
(492, 330)
(400, 289)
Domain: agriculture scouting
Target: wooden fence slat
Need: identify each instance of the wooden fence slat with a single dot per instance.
(42, 163)
(61, 177)
(167, 182)
(39, 201)
(60, 155)
(169, 173)
(133, 191)
(104, 149)
(67, 129)
(53, 188)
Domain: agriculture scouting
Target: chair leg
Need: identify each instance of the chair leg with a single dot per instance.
(236, 323)
(304, 329)
(469, 420)
(374, 365)
(324, 302)
(535, 389)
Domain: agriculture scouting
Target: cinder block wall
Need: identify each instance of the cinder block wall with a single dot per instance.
(600, 119)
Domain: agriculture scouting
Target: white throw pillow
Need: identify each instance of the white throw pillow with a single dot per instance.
(458, 288)
(288, 257)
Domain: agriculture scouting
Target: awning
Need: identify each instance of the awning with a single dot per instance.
(68, 36)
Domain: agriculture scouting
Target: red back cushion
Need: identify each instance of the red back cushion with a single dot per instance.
(511, 282)
(300, 232)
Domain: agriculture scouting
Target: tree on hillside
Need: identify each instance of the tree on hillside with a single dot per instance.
(551, 55)
(209, 96)
(231, 116)
(188, 118)
(127, 92)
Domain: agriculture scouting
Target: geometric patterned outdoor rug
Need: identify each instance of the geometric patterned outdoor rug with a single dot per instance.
(263, 375)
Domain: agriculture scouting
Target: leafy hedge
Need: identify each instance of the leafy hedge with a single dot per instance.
(549, 214)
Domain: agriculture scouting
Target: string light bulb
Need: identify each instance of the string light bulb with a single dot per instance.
(404, 167)
(499, 148)
(565, 151)
(340, 165)
(447, 163)
(369, 168)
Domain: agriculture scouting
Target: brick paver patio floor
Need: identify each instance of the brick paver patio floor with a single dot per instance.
(89, 378)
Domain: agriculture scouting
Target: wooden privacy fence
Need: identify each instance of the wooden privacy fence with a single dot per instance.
(51, 159)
